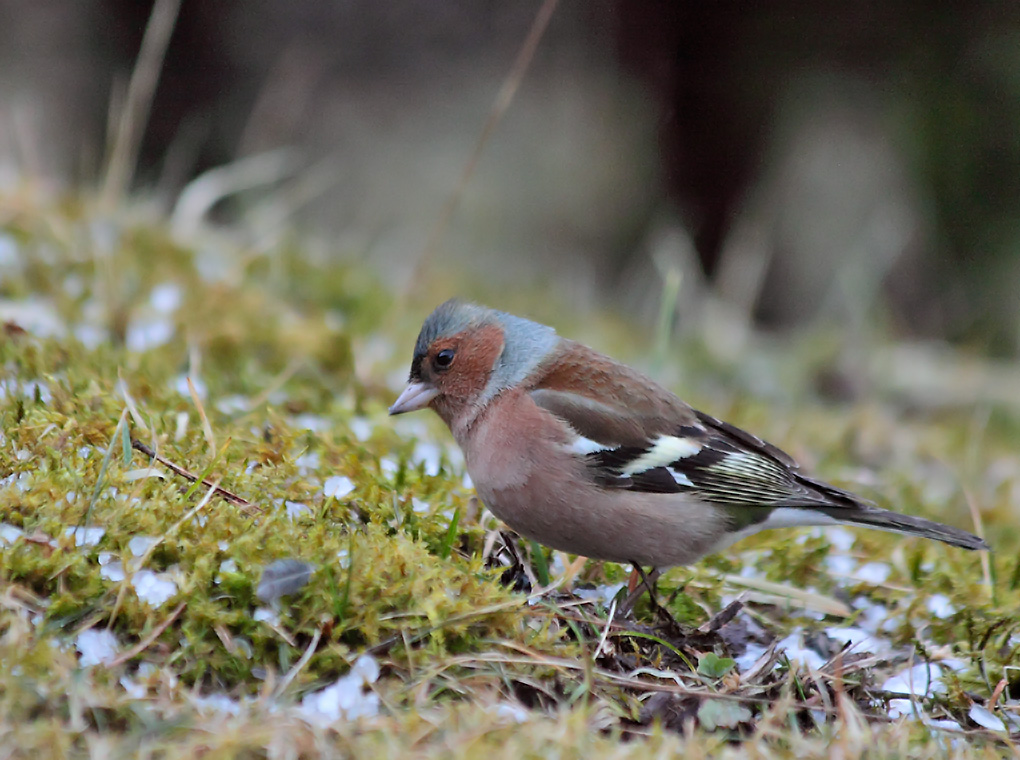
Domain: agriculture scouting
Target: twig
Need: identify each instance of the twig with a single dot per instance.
(124, 151)
(299, 666)
(209, 188)
(140, 562)
(721, 618)
(145, 643)
(102, 471)
(276, 383)
(423, 633)
(979, 530)
(188, 516)
(206, 426)
(233, 498)
(503, 100)
(605, 630)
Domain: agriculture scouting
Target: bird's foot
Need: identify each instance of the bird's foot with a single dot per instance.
(637, 585)
(508, 555)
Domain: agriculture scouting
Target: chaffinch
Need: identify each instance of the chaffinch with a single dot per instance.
(588, 456)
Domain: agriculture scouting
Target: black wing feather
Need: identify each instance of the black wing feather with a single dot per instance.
(732, 467)
(750, 477)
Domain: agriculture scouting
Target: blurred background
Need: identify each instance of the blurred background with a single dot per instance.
(796, 164)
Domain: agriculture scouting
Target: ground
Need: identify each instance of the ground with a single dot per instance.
(213, 540)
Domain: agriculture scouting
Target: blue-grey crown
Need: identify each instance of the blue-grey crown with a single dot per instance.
(526, 343)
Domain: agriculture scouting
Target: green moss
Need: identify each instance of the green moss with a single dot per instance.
(300, 347)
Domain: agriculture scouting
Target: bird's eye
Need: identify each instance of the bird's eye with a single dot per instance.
(444, 358)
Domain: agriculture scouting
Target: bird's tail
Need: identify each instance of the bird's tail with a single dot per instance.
(883, 519)
(850, 509)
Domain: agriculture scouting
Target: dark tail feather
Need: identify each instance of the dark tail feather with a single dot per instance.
(883, 519)
(853, 510)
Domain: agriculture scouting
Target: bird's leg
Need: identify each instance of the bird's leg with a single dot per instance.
(636, 588)
(516, 575)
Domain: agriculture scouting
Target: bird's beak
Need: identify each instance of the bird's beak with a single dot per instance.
(415, 396)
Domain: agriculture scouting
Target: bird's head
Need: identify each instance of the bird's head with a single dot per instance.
(466, 355)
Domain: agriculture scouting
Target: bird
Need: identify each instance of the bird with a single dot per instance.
(588, 456)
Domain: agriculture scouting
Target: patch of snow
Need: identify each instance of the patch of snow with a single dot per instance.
(337, 486)
(419, 506)
(557, 566)
(296, 510)
(152, 588)
(142, 473)
(940, 606)
(347, 699)
(134, 689)
(840, 564)
(85, 536)
(366, 668)
(233, 404)
(308, 462)
(165, 297)
(8, 250)
(840, 538)
(750, 656)
(430, 455)
(920, 681)
(219, 703)
(180, 425)
(899, 708)
(859, 639)
(37, 315)
(244, 647)
(111, 569)
(311, 422)
(145, 334)
(33, 388)
(9, 534)
(90, 336)
(265, 615)
(21, 481)
(954, 664)
(409, 426)
(793, 647)
(873, 572)
(138, 545)
(511, 713)
(986, 718)
(180, 384)
(361, 428)
(892, 623)
(749, 569)
(96, 647)
(601, 594)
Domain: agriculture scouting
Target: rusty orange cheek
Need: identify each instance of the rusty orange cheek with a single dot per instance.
(476, 353)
